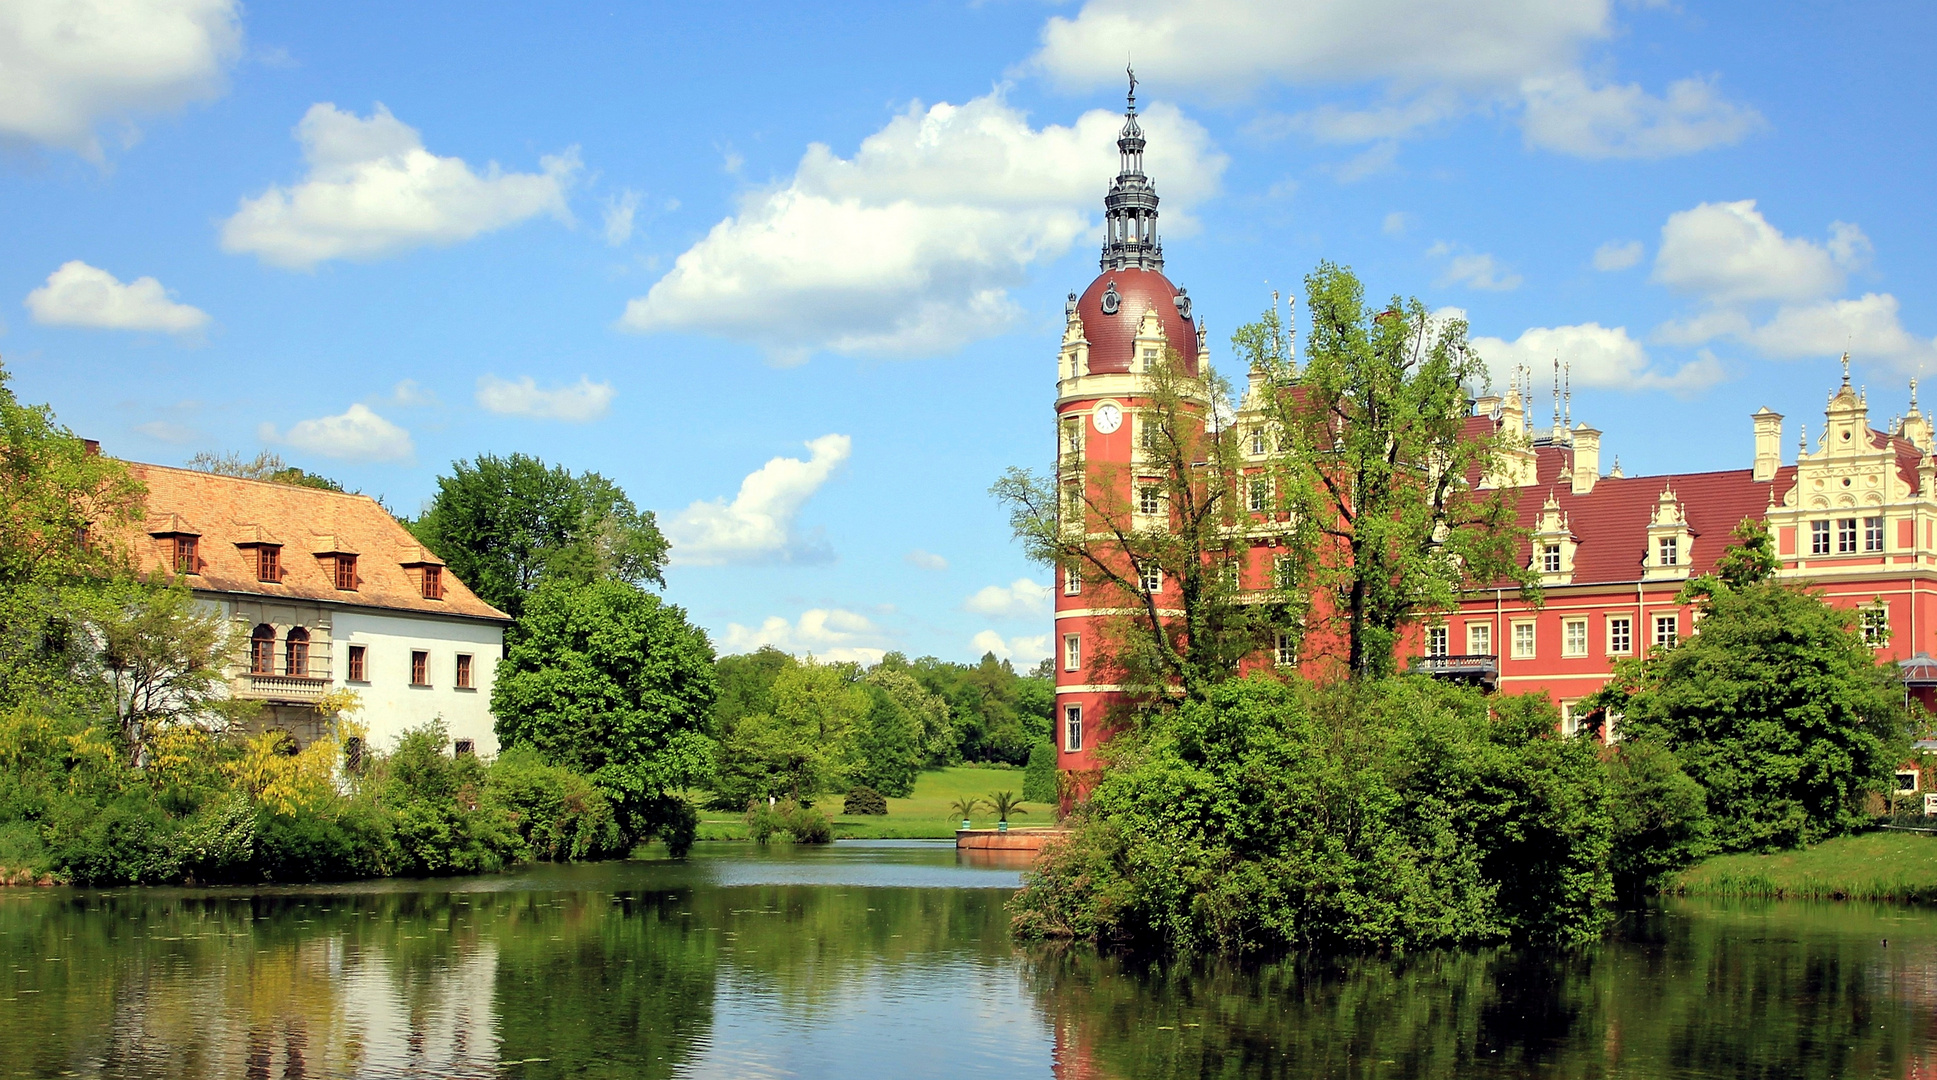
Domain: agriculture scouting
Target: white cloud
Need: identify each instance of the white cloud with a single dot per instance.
(825, 633)
(357, 434)
(1427, 61)
(1869, 327)
(910, 246)
(1378, 159)
(1597, 356)
(1021, 598)
(373, 190)
(409, 393)
(66, 67)
(575, 403)
(1727, 253)
(1022, 651)
(1475, 271)
(619, 212)
(1617, 255)
(1565, 114)
(758, 525)
(81, 295)
(1397, 223)
(925, 560)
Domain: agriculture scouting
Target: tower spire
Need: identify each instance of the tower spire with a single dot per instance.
(1130, 206)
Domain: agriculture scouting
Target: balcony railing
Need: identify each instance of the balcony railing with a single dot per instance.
(1481, 668)
(282, 687)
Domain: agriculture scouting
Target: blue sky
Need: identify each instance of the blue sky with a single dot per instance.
(793, 274)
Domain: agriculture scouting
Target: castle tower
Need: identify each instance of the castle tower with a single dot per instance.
(1115, 330)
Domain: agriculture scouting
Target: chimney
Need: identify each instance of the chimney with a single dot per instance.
(91, 447)
(1768, 443)
(1587, 458)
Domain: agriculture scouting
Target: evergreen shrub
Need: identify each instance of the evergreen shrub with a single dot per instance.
(862, 799)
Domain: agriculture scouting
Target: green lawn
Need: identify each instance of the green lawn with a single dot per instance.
(1873, 866)
(924, 815)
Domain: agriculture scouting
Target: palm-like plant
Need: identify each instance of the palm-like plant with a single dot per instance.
(1005, 803)
(966, 808)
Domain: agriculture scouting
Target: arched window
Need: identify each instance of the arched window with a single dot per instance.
(296, 652)
(262, 650)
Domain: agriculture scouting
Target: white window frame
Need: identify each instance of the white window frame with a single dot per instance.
(1550, 558)
(1873, 533)
(1531, 639)
(1257, 442)
(1284, 649)
(1672, 637)
(1916, 781)
(1626, 623)
(1072, 652)
(1873, 621)
(1479, 638)
(1257, 494)
(1072, 581)
(1152, 577)
(1150, 500)
(1573, 636)
(1846, 536)
(1668, 550)
(1439, 640)
(1072, 728)
(1569, 723)
(1819, 543)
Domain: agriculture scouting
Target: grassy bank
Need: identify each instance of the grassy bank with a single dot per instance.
(1892, 866)
(924, 815)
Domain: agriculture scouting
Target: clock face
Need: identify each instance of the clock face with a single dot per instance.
(1108, 418)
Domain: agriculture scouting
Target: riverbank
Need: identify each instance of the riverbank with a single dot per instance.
(926, 814)
(1891, 866)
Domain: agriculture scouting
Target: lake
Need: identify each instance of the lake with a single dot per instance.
(892, 959)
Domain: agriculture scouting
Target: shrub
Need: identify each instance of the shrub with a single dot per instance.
(1660, 818)
(1039, 778)
(800, 824)
(558, 813)
(864, 800)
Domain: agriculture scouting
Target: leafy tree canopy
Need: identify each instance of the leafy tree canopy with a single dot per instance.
(1776, 707)
(264, 466)
(613, 682)
(506, 524)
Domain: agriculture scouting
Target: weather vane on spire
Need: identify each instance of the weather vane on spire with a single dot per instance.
(1132, 72)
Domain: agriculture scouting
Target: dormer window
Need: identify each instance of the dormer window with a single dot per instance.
(345, 572)
(433, 583)
(268, 562)
(1670, 551)
(187, 560)
(1550, 559)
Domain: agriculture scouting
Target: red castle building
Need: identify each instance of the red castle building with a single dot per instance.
(1855, 514)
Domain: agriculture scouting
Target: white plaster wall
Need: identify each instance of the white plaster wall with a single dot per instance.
(391, 705)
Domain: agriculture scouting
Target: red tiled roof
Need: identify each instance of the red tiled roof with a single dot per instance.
(1113, 337)
(225, 511)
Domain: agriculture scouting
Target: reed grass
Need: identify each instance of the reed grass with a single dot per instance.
(1891, 867)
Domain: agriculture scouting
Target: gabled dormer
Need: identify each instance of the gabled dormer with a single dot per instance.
(1150, 342)
(1671, 544)
(1073, 361)
(1553, 545)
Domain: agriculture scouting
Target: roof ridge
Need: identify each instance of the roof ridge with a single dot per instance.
(250, 480)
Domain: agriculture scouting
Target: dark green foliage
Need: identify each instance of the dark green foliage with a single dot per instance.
(746, 686)
(798, 824)
(1384, 815)
(507, 524)
(887, 743)
(1776, 708)
(610, 681)
(1660, 816)
(560, 815)
(1039, 778)
(996, 715)
(864, 800)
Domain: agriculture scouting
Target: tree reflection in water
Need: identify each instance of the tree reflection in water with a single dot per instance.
(856, 962)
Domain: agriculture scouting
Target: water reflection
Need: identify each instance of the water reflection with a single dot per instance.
(893, 960)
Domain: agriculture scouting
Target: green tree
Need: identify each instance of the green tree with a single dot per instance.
(888, 750)
(990, 713)
(1375, 463)
(1776, 708)
(264, 466)
(507, 524)
(164, 655)
(613, 682)
(746, 686)
(803, 747)
(1039, 778)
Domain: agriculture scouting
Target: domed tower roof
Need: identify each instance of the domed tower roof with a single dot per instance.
(1132, 280)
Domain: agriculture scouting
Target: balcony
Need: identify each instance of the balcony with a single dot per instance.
(293, 688)
(1480, 669)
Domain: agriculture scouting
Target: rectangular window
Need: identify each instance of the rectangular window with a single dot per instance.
(353, 755)
(1149, 358)
(1257, 441)
(1073, 438)
(1573, 637)
(1620, 635)
(185, 556)
(357, 655)
(1875, 622)
(1073, 504)
(1906, 781)
(463, 672)
(1819, 538)
(1479, 638)
(1523, 641)
(1072, 728)
(433, 583)
(1667, 631)
(1072, 652)
(1570, 723)
(464, 748)
(345, 571)
(1285, 650)
(1845, 536)
(419, 668)
(1436, 641)
(1281, 568)
(1260, 495)
(1873, 534)
(1148, 501)
(1152, 576)
(268, 563)
(1550, 559)
(1072, 581)
(1670, 548)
